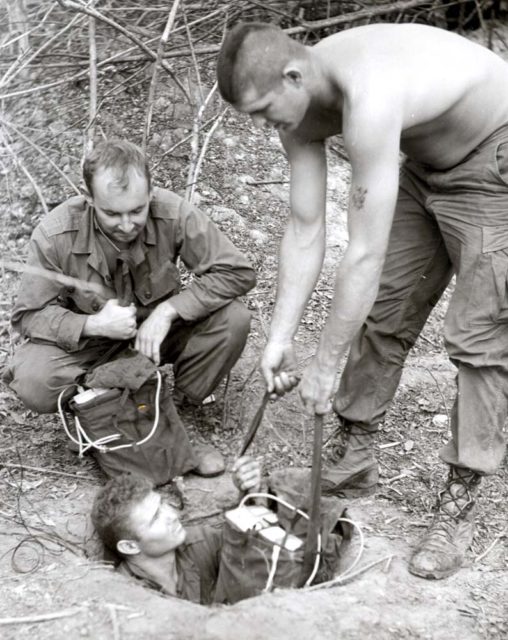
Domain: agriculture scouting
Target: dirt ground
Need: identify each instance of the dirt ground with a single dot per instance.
(50, 560)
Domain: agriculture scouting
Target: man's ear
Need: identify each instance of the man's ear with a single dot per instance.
(86, 194)
(128, 547)
(293, 73)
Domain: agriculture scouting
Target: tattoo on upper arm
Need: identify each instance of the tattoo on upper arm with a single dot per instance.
(358, 197)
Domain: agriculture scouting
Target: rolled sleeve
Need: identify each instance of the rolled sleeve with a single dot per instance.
(70, 330)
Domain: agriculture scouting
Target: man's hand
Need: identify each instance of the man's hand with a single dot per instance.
(154, 329)
(278, 366)
(112, 321)
(247, 474)
(316, 388)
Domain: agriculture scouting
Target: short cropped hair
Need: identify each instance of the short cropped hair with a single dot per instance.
(113, 505)
(253, 51)
(119, 155)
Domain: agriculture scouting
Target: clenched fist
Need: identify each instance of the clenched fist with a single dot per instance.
(112, 321)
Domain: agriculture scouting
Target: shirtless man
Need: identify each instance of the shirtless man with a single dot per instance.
(443, 101)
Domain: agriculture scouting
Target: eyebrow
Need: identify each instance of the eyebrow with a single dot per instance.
(119, 213)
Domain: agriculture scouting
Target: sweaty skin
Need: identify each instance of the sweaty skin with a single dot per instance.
(386, 88)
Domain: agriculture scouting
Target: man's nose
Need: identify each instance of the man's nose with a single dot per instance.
(126, 223)
(258, 121)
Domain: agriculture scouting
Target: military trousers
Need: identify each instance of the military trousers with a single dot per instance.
(202, 353)
(451, 222)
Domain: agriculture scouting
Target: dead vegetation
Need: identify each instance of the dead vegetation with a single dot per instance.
(73, 72)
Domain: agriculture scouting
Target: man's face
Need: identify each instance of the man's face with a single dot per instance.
(155, 526)
(282, 106)
(121, 209)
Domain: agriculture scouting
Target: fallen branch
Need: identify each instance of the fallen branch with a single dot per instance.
(34, 184)
(114, 620)
(92, 48)
(362, 14)
(43, 617)
(67, 281)
(27, 173)
(341, 580)
(194, 59)
(182, 141)
(24, 467)
(69, 4)
(153, 83)
(13, 71)
(503, 534)
(256, 183)
(204, 147)
(196, 127)
(41, 152)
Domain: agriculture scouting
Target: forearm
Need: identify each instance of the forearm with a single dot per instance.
(212, 291)
(356, 288)
(300, 261)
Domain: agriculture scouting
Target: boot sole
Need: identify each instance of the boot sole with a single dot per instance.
(433, 576)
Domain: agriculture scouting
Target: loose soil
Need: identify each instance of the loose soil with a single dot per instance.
(50, 559)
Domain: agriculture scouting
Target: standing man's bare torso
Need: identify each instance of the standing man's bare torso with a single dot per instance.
(446, 92)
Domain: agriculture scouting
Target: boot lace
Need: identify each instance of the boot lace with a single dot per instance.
(339, 439)
(454, 503)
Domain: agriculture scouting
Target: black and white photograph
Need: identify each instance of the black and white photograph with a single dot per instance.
(253, 320)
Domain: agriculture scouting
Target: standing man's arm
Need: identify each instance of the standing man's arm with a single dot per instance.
(300, 259)
(372, 140)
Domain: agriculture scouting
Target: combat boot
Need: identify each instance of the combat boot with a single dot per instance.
(442, 550)
(351, 470)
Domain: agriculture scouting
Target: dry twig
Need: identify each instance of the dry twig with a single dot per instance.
(153, 83)
(196, 127)
(67, 281)
(43, 617)
(482, 555)
(20, 64)
(353, 16)
(92, 49)
(29, 176)
(41, 152)
(201, 156)
(69, 4)
(53, 472)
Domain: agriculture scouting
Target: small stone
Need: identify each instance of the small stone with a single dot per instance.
(440, 420)
(259, 237)
(223, 214)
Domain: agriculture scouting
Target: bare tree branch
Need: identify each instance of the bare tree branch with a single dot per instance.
(90, 132)
(9, 125)
(69, 4)
(153, 82)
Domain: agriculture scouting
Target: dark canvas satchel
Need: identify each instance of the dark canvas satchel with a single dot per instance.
(287, 543)
(260, 558)
(128, 421)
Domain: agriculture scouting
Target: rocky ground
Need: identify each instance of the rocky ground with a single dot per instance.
(52, 581)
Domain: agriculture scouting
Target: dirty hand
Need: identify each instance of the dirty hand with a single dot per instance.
(247, 474)
(278, 366)
(112, 321)
(154, 329)
(316, 388)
